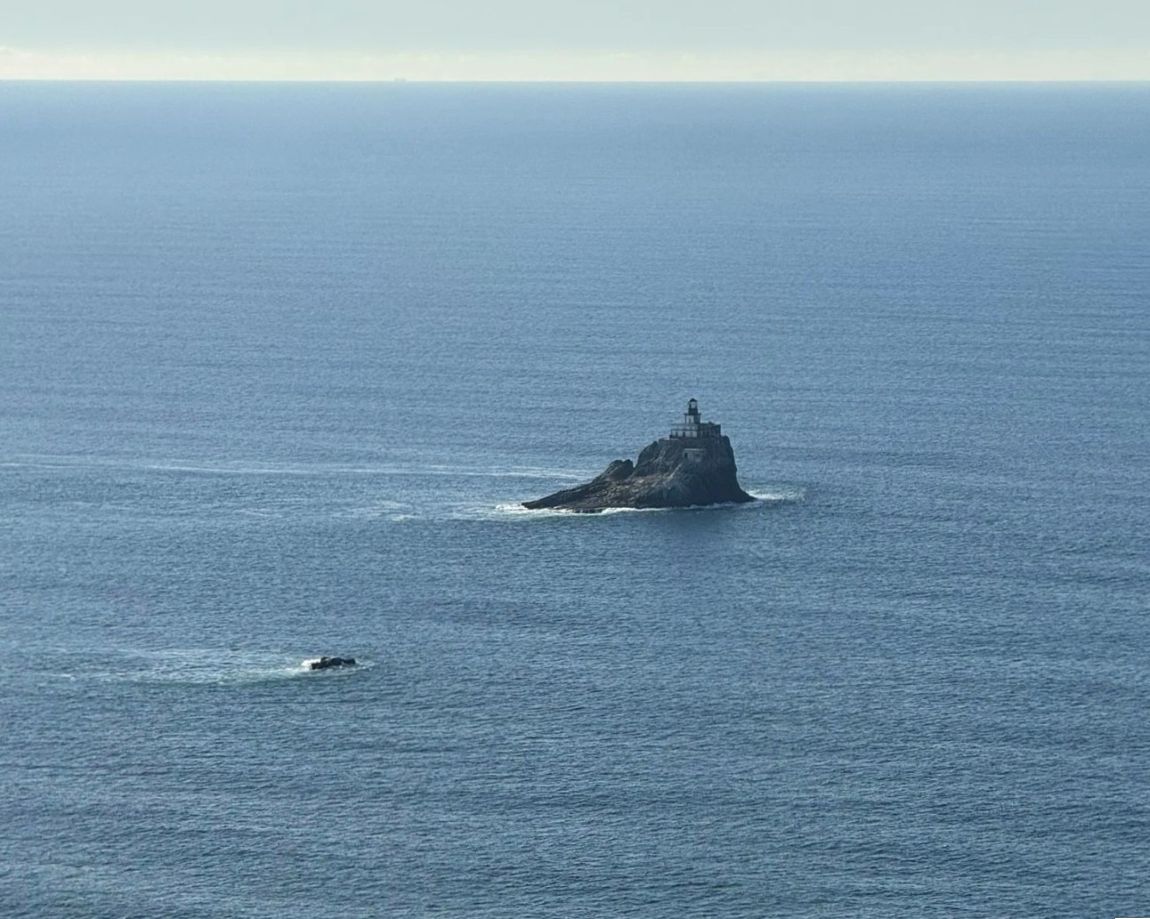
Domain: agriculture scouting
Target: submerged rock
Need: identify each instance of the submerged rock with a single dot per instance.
(694, 466)
(326, 663)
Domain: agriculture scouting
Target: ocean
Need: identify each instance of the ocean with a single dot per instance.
(279, 362)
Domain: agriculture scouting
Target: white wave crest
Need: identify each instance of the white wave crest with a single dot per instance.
(204, 666)
(782, 494)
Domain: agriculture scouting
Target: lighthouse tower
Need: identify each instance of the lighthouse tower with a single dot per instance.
(693, 425)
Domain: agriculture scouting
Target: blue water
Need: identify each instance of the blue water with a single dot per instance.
(277, 362)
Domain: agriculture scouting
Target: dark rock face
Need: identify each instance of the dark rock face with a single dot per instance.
(671, 472)
(326, 663)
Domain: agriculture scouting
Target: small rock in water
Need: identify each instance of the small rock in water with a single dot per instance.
(326, 663)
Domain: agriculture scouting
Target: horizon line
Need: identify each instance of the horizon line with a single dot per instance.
(577, 67)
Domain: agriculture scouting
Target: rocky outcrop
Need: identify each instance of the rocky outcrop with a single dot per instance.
(327, 663)
(671, 472)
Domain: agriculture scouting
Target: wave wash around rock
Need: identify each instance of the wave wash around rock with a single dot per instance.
(693, 466)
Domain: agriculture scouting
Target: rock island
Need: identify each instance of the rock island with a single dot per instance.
(693, 466)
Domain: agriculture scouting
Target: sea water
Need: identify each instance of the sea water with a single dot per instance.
(277, 364)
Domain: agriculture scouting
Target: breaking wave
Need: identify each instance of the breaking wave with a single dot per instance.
(784, 494)
(198, 666)
(762, 496)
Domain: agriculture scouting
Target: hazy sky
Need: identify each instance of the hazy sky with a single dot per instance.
(576, 39)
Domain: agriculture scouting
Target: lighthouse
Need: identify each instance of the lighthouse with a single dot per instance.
(693, 425)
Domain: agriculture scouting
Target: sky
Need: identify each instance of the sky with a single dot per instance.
(576, 40)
